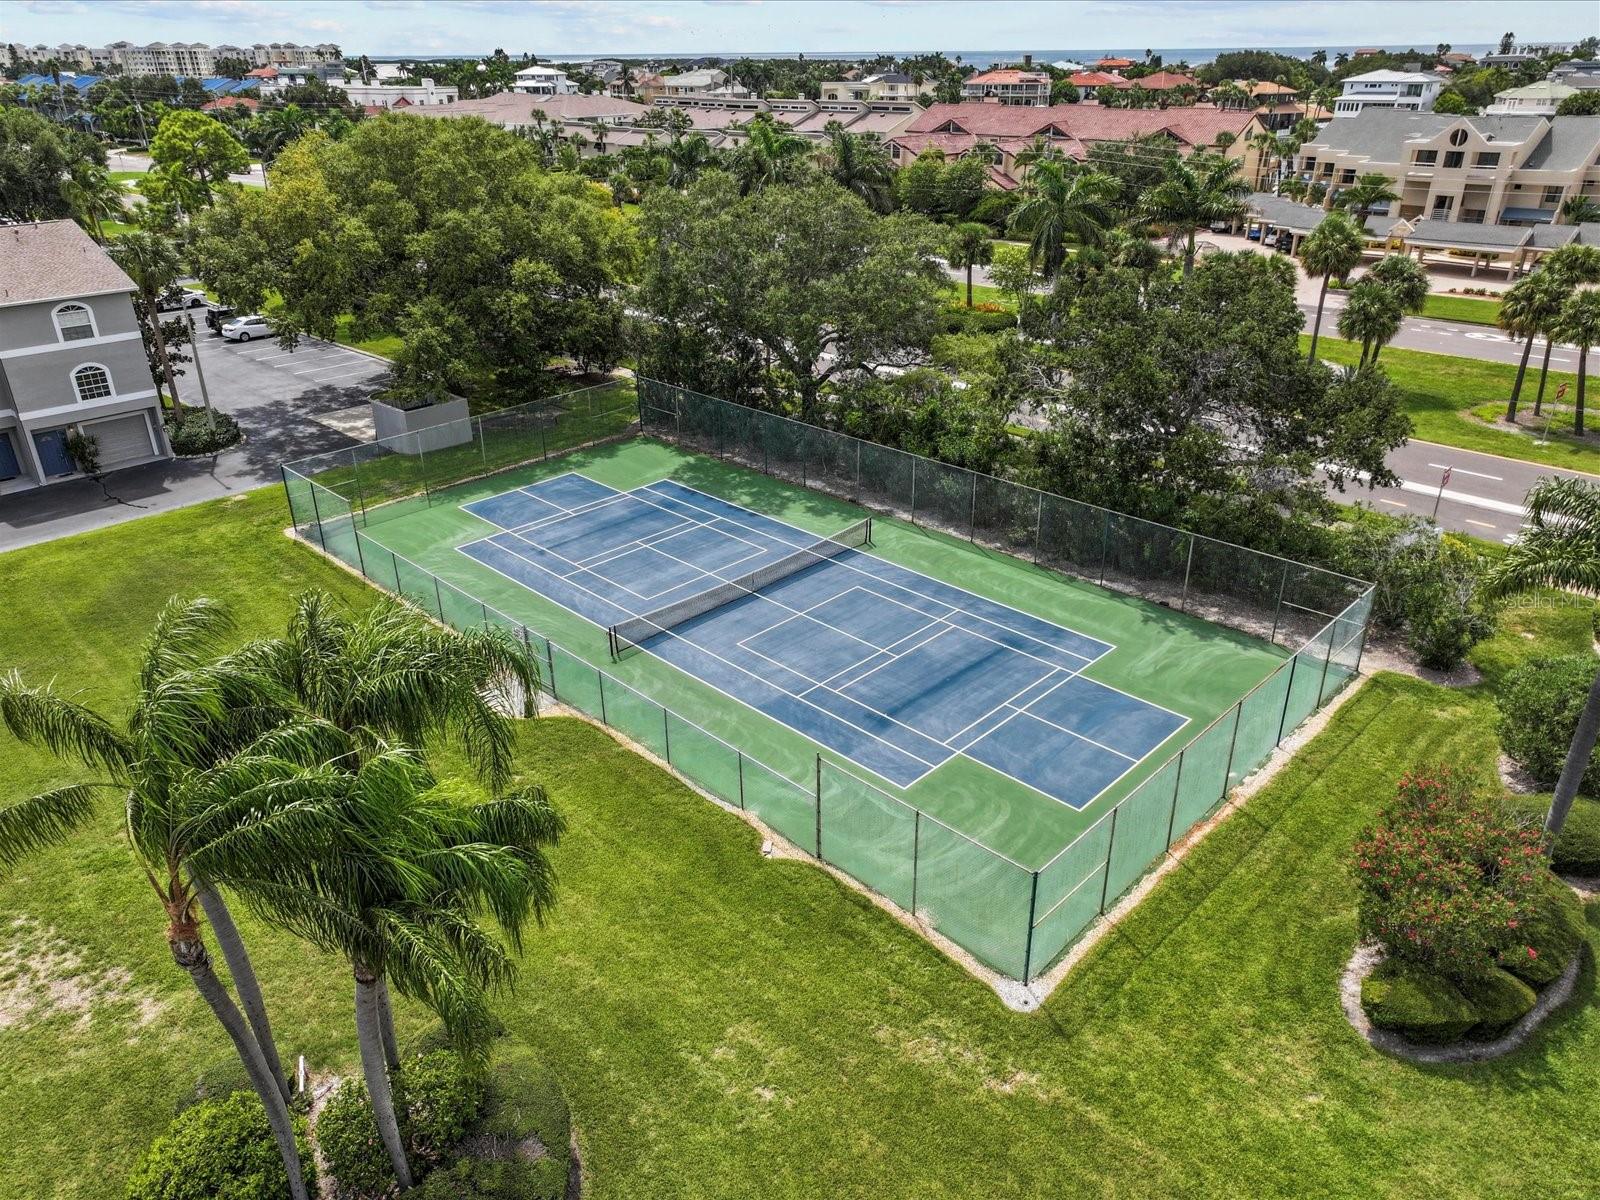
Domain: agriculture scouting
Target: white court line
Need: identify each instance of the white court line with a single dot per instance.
(895, 650)
(1002, 706)
(806, 734)
(953, 587)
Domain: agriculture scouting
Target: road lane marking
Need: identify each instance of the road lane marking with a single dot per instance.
(1433, 489)
(1464, 471)
(1396, 503)
(1480, 524)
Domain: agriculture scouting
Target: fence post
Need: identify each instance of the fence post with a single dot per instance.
(1323, 685)
(422, 465)
(1277, 609)
(601, 677)
(1038, 531)
(1177, 786)
(819, 810)
(740, 755)
(666, 732)
(544, 450)
(1111, 845)
(1233, 742)
(483, 442)
(394, 561)
(1105, 544)
(550, 657)
(1188, 567)
(858, 471)
(361, 491)
(913, 489)
(1033, 907)
(316, 511)
(972, 514)
(638, 398)
(916, 850)
(1294, 661)
(360, 557)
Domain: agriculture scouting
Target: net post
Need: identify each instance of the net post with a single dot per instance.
(740, 755)
(1277, 609)
(316, 511)
(1294, 661)
(819, 809)
(1111, 844)
(601, 677)
(1188, 568)
(1033, 908)
(916, 855)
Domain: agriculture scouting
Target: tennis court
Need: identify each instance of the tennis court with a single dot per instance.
(895, 671)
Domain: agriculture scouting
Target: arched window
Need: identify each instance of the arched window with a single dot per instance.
(74, 322)
(91, 382)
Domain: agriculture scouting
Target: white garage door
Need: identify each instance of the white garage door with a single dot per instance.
(121, 439)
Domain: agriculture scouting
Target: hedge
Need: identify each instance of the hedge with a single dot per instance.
(1418, 1004)
(218, 1150)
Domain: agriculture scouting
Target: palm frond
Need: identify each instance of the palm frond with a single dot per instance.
(186, 632)
(45, 820)
(1559, 548)
(40, 717)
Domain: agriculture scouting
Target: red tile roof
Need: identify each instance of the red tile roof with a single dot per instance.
(230, 102)
(1198, 125)
(1115, 62)
(1163, 81)
(1094, 79)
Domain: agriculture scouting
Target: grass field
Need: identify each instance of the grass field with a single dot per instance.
(385, 345)
(1474, 310)
(1440, 392)
(729, 1026)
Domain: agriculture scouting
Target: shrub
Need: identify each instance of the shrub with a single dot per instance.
(523, 1102)
(1552, 935)
(1416, 1003)
(222, 1078)
(1577, 850)
(203, 431)
(975, 320)
(1539, 709)
(1446, 878)
(436, 1098)
(1499, 999)
(217, 1150)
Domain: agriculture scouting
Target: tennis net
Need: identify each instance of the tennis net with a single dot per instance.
(635, 631)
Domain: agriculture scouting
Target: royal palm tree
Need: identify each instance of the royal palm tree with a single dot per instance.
(1559, 548)
(772, 153)
(1194, 192)
(1371, 316)
(1332, 250)
(1578, 324)
(1579, 210)
(1573, 265)
(1038, 150)
(1365, 194)
(687, 157)
(1267, 148)
(1063, 203)
(1404, 279)
(151, 261)
(1528, 310)
(970, 246)
(93, 197)
(858, 163)
(211, 767)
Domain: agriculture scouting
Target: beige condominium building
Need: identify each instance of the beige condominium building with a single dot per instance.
(1491, 170)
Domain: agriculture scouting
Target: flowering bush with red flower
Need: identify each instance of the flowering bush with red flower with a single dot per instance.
(1448, 879)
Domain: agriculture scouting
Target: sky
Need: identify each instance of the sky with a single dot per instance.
(642, 27)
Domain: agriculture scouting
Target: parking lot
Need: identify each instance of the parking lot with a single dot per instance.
(316, 362)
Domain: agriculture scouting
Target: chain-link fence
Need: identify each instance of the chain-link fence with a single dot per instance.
(389, 478)
(1015, 918)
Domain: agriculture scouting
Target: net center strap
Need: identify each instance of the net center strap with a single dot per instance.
(636, 630)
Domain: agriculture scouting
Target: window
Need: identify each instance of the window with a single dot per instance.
(1458, 137)
(1486, 158)
(1454, 158)
(74, 322)
(1348, 175)
(1552, 195)
(1426, 158)
(91, 383)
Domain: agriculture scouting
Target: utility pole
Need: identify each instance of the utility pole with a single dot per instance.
(199, 371)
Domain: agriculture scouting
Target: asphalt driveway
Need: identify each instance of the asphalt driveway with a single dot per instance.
(289, 404)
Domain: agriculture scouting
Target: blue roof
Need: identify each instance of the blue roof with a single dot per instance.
(82, 82)
(217, 85)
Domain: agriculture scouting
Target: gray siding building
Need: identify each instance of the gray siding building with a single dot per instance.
(71, 358)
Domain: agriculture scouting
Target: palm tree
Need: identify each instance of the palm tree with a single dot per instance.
(1573, 264)
(1195, 192)
(1063, 203)
(1038, 150)
(1578, 323)
(93, 197)
(274, 128)
(1366, 193)
(1370, 316)
(1332, 250)
(770, 154)
(1579, 210)
(858, 163)
(687, 157)
(215, 794)
(151, 261)
(1527, 310)
(1559, 548)
(1267, 148)
(970, 246)
(1404, 279)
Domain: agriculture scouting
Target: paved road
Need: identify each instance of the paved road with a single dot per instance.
(1483, 497)
(289, 404)
(128, 160)
(1459, 338)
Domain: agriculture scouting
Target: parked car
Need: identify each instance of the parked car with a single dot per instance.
(218, 315)
(176, 299)
(242, 329)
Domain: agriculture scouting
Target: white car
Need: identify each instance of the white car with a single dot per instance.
(176, 299)
(242, 329)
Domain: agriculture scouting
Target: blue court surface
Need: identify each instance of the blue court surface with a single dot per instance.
(889, 668)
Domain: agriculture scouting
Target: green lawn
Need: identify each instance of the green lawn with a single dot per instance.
(732, 1026)
(126, 176)
(1473, 310)
(385, 345)
(111, 229)
(1441, 391)
(982, 293)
